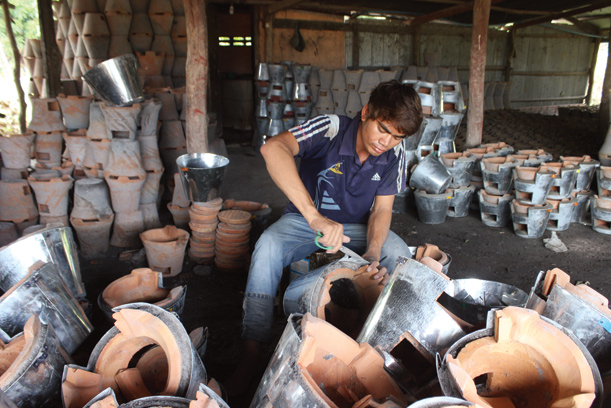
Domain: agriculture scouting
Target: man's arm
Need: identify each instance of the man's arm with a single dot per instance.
(279, 153)
(377, 230)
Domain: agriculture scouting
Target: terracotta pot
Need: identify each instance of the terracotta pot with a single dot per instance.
(17, 202)
(140, 6)
(118, 17)
(64, 16)
(76, 146)
(48, 148)
(119, 45)
(179, 36)
(178, 7)
(180, 197)
(151, 161)
(161, 15)
(8, 233)
(526, 173)
(97, 124)
(150, 216)
(125, 192)
(75, 111)
(169, 111)
(66, 168)
(46, 115)
(180, 215)
(13, 174)
(101, 151)
(151, 63)
(54, 221)
(150, 189)
(165, 249)
(141, 33)
(172, 134)
(126, 228)
(51, 194)
(91, 200)
(163, 43)
(124, 159)
(90, 166)
(16, 150)
(121, 122)
(149, 116)
(96, 36)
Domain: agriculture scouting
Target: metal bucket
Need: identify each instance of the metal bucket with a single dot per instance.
(430, 175)
(202, 174)
(116, 80)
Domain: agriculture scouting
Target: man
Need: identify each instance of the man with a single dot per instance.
(344, 188)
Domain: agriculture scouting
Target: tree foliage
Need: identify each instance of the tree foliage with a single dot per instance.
(25, 25)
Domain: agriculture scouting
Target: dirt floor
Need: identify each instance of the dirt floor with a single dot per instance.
(477, 251)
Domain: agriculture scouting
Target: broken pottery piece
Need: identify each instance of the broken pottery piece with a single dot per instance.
(521, 358)
(430, 255)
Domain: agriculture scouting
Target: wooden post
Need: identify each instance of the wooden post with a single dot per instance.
(17, 68)
(50, 52)
(511, 49)
(603, 112)
(269, 38)
(475, 119)
(197, 76)
(592, 69)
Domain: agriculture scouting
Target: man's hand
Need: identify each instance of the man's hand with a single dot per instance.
(332, 233)
(374, 264)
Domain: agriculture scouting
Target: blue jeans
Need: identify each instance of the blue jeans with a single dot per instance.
(288, 240)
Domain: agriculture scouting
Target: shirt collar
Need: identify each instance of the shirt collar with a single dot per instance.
(348, 146)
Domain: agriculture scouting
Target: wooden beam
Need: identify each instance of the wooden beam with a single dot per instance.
(269, 38)
(447, 12)
(583, 26)
(597, 42)
(281, 5)
(479, 39)
(511, 53)
(565, 14)
(51, 56)
(17, 61)
(197, 76)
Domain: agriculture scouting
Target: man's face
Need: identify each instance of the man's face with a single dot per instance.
(379, 136)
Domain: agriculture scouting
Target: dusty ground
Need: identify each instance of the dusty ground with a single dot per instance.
(477, 251)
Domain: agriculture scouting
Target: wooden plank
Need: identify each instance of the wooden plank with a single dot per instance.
(555, 16)
(444, 13)
(416, 47)
(377, 50)
(475, 119)
(197, 76)
(52, 59)
(365, 50)
(355, 46)
(281, 5)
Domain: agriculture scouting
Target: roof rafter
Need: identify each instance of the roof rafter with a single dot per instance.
(447, 12)
(546, 19)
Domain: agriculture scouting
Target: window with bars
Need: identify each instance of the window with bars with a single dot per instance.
(235, 41)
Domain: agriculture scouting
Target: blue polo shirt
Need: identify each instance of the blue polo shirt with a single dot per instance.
(342, 188)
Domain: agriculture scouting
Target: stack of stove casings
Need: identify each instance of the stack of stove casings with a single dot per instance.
(301, 96)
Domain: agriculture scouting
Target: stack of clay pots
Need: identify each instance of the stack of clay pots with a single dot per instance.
(339, 91)
(165, 249)
(232, 239)
(277, 97)
(324, 101)
(92, 216)
(494, 198)
(582, 194)
(204, 220)
(460, 189)
(600, 205)
(124, 174)
(301, 97)
(430, 180)
(172, 140)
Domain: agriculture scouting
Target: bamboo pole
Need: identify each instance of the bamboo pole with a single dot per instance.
(475, 119)
(17, 67)
(197, 76)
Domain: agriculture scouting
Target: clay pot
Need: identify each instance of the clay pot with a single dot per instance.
(16, 150)
(179, 36)
(79, 9)
(90, 166)
(151, 161)
(125, 192)
(150, 216)
(151, 64)
(51, 194)
(48, 148)
(172, 134)
(75, 111)
(17, 202)
(66, 168)
(161, 15)
(76, 146)
(141, 33)
(119, 45)
(46, 115)
(180, 215)
(150, 189)
(118, 17)
(149, 116)
(124, 159)
(140, 6)
(13, 174)
(8, 233)
(126, 228)
(96, 36)
(91, 200)
(169, 156)
(165, 249)
(97, 124)
(163, 43)
(180, 197)
(526, 173)
(101, 151)
(121, 122)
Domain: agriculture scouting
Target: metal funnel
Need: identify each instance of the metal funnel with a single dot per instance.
(202, 174)
(116, 80)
